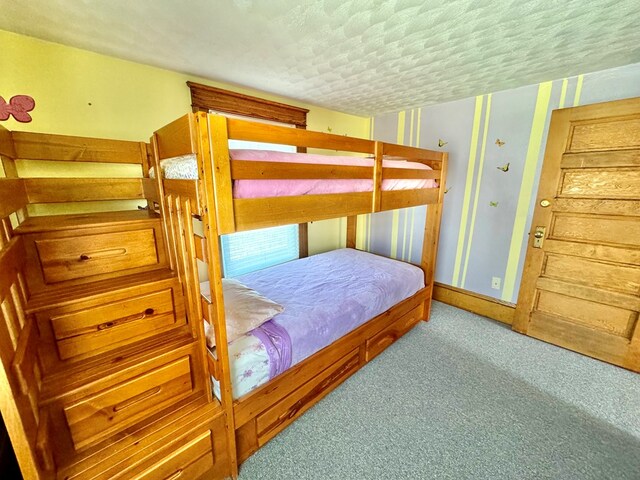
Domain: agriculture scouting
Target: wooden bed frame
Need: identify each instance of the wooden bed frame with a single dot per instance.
(258, 416)
(194, 435)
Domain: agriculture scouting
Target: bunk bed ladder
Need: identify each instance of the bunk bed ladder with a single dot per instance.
(209, 180)
(186, 246)
(185, 241)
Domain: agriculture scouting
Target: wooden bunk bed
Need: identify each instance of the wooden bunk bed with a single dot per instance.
(258, 416)
(105, 371)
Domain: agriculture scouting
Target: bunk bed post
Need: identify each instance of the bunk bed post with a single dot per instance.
(352, 228)
(377, 177)
(432, 236)
(221, 173)
(303, 240)
(162, 203)
(214, 128)
(149, 185)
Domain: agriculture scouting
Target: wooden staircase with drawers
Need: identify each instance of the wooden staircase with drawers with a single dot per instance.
(111, 367)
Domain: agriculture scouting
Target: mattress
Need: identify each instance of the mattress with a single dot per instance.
(325, 297)
(185, 168)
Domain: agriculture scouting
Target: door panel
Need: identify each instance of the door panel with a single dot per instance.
(599, 206)
(600, 183)
(585, 271)
(623, 230)
(614, 320)
(581, 288)
(605, 134)
(601, 252)
(579, 338)
(600, 159)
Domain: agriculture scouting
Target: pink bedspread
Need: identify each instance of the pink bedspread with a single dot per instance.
(278, 188)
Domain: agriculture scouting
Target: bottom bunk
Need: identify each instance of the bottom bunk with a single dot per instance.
(333, 313)
(267, 410)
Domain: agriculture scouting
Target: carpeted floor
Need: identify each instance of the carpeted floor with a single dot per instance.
(463, 397)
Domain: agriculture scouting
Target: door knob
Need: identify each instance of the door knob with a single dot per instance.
(545, 203)
(538, 236)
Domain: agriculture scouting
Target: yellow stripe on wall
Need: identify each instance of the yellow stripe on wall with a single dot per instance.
(418, 127)
(404, 235)
(526, 189)
(369, 222)
(576, 98)
(413, 218)
(396, 215)
(371, 127)
(400, 136)
(477, 194)
(360, 233)
(413, 112)
(395, 222)
(412, 233)
(475, 131)
(563, 93)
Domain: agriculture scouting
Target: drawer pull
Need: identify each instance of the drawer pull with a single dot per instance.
(114, 252)
(178, 474)
(132, 318)
(136, 399)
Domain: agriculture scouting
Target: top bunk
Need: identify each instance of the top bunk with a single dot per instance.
(251, 189)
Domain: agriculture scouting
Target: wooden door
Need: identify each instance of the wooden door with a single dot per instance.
(581, 287)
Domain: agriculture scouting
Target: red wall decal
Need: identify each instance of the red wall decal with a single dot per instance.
(18, 106)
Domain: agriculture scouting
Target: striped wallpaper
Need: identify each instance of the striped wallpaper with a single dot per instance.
(496, 145)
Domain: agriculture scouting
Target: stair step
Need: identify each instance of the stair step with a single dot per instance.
(65, 382)
(54, 223)
(147, 437)
(58, 296)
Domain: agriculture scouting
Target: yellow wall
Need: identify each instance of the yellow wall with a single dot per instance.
(82, 93)
(78, 92)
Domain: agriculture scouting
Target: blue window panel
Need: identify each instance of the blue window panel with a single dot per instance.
(246, 252)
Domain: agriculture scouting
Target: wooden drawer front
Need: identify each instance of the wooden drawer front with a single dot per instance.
(295, 404)
(189, 462)
(110, 411)
(69, 258)
(391, 333)
(99, 329)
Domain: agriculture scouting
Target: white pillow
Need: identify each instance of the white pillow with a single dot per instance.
(244, 309)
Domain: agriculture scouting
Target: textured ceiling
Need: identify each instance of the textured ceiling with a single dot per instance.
(358, 56)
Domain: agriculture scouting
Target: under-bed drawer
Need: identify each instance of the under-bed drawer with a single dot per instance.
(276, 418)
(74, 257)
(164, 381)
(381, 340)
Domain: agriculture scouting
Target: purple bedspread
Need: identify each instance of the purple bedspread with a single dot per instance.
(326, 296)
